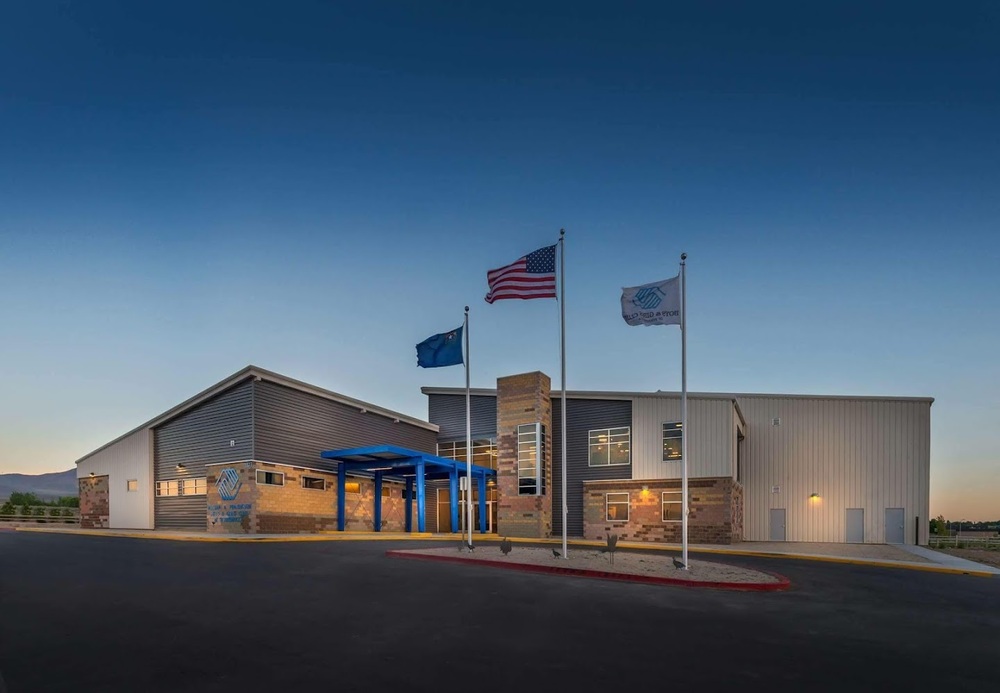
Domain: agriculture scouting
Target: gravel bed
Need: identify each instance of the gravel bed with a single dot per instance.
(627, 563)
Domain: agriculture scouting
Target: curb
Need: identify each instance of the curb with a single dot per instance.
(782, 584)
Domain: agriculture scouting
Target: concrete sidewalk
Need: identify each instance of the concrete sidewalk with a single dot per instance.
(878, 555)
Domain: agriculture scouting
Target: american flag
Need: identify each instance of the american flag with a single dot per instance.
(532, 276)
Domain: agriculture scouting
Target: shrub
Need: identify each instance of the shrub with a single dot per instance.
(7, 508)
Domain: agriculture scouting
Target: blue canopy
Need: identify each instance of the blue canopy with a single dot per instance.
(412, 466)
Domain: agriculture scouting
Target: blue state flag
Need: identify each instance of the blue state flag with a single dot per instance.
(443, 349)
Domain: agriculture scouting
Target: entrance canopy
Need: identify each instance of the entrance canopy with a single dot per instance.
(413, 467)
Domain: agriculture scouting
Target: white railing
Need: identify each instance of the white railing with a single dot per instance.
(958, 542)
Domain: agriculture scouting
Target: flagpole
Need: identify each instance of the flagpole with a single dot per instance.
(562, 409)
(684, 423)
(468, 432)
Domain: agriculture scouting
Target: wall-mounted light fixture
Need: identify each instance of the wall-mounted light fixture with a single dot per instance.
(180, 465)
(395, 420)
(814, 496)
(362, 410)
(92, 474)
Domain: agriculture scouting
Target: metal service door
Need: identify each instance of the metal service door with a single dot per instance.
(894, 530)
(777, 528)
(855, 526)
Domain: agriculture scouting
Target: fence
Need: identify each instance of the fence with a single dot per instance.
(957, 542)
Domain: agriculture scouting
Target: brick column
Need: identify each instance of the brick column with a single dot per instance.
(523, 399)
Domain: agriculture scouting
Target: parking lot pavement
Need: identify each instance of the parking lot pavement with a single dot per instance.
(114, 614)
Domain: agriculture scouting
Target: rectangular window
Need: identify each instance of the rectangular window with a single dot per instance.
(386, 491)
(270, 478)
(167, 488)
(616, 507)
(672, 506)
(484, 451)
(314, 482)
(132, 485)
(194, 487)
(352, 487)
(531, 459)
(610, 446)
(672, 442)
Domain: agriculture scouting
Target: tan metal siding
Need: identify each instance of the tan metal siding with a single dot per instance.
(870, 454)
(128, 458)
(710, 446)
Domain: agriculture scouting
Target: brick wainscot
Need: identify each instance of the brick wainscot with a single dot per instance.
(716, 511)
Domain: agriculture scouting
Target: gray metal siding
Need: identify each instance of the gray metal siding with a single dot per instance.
(220, 430)
(448, 412)
(294, 427)
(582, 416)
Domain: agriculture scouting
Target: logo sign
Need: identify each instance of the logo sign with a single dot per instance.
(228, 484)
(648, 298)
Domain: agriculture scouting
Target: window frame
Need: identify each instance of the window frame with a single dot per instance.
(485, 446)
(131, 485)
(166, 484)
(302, 482)
(258, 482)
(349, 484)
(664, 502)
(663, 439)
(608, 432)
(608, 503)
(194, 481)
(537, 462)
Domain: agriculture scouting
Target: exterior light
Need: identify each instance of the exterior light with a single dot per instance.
(814, 496)
(180, 465)
(92, 474)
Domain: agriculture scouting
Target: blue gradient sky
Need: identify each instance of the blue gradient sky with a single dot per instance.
(187, 187)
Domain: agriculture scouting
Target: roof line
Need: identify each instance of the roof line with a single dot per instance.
(615, 394)
(252, 371)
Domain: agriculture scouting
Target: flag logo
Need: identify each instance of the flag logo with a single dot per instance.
(648, 298)
(228, 484)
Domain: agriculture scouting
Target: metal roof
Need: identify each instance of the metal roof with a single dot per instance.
(618, 394)
(270, 376)
(395, 459)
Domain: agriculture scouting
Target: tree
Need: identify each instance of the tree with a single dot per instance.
(22, 498)
(938, 525)
(68, 502)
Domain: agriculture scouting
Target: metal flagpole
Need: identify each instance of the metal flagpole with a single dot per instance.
(468, 432)
(684, 417)
(562, 409)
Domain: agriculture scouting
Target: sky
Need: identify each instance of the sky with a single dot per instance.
(190, 187)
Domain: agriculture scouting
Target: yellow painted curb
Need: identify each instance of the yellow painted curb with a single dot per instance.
(427, 536)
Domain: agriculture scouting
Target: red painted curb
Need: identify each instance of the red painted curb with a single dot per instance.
(782, 584)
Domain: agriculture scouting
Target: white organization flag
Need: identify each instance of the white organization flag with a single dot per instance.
(658, 303)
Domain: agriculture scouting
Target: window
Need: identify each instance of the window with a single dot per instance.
(484, 451)
(352, 487)
(168, 488)
(194, 487)
(616, 507)
(270, 478)
(672, 442)
(531, 460)
(609, 446)
(314, 482)
(132, 485)
(673, 506)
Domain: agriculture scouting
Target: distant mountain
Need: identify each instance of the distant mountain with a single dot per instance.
(45, 486)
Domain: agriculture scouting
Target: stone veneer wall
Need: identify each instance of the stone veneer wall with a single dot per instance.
(716, 511)
(94, 505)
(522, 399)
(291, 509)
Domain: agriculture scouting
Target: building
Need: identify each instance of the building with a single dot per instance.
(260, 452)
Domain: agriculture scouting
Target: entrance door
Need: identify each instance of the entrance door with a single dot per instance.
(777, 526)
(491, 510)
(855, 528)
(894, 531)
(444, 510)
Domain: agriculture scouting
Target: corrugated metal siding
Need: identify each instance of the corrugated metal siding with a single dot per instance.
(293, 427)
(448, 412)
(582, 416)
(220, 430)
(129, 458)
(854, 453)
(710, 445)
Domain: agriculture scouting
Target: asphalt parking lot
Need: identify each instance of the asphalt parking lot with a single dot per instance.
(82, 614)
